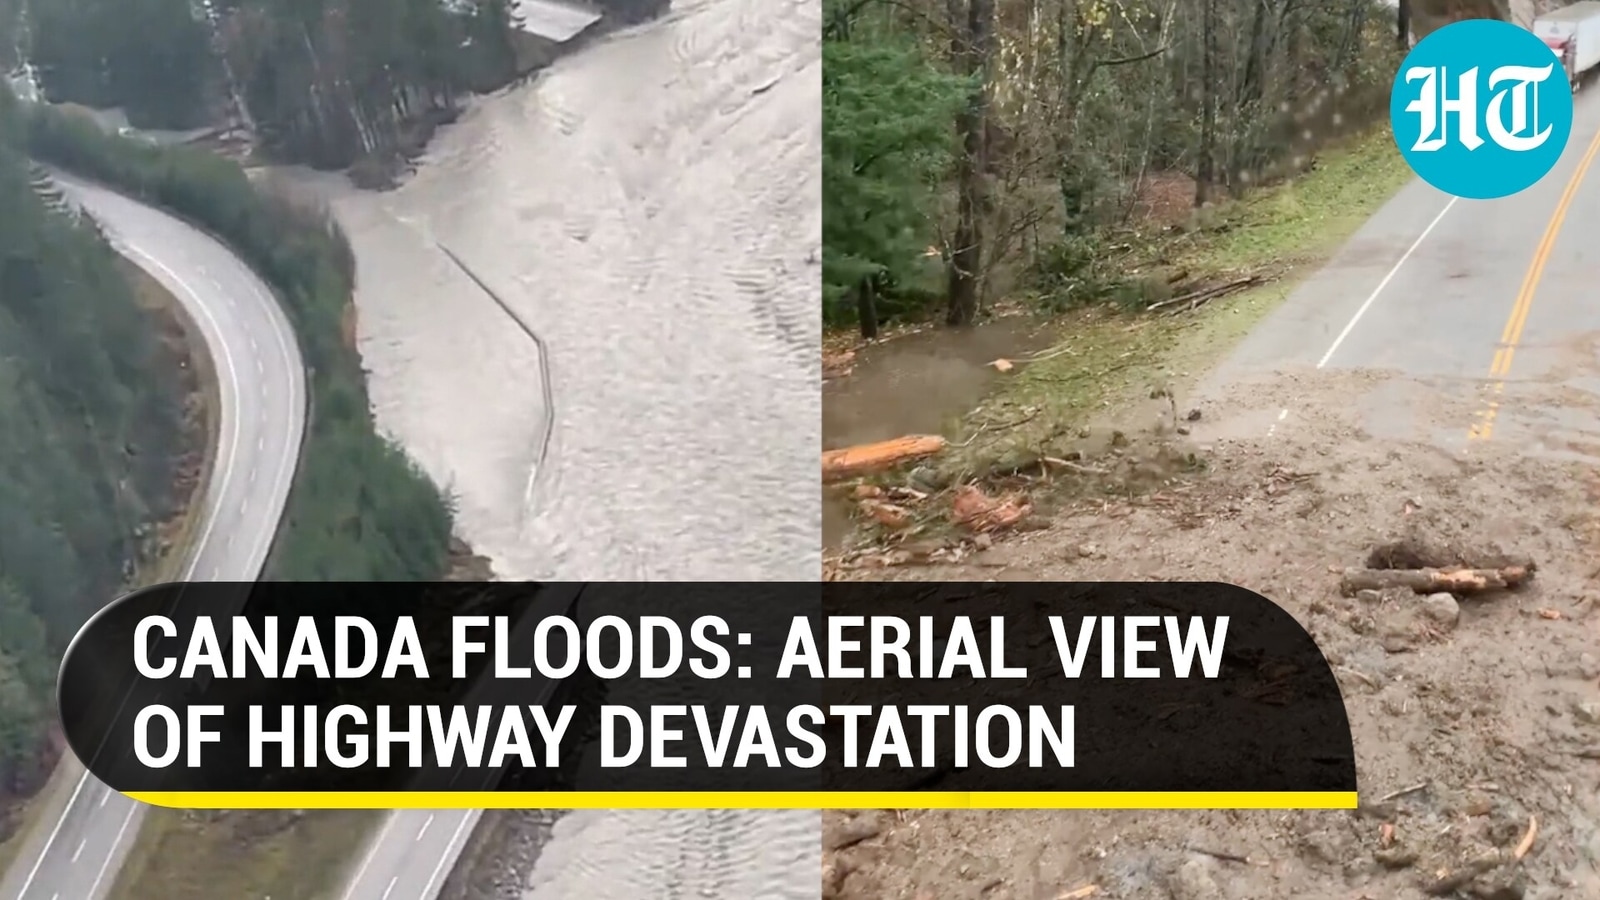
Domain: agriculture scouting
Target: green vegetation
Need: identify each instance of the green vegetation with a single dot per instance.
(1049, 152)
(208, 854)
(887, 144)
(86, 52)
(1106, 359)
(360, 510)
(326, 81)
(90, 441)
(329, 83)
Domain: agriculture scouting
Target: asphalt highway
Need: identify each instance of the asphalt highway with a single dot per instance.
(1480, 301)
(77, 852)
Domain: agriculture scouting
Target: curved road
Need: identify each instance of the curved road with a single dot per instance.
(262, 386)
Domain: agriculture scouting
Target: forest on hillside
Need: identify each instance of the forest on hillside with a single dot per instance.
(975, 149)
(321, 82)
(90, 413)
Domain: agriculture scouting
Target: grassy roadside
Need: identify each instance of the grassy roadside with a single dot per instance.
(1106, 360)
(181, 337)
(211, 854)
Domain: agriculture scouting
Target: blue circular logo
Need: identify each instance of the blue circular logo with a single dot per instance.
(1482, 109)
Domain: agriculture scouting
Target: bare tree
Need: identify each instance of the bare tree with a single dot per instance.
(1205, 171)
(971, 49)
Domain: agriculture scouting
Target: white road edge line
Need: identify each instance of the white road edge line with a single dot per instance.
(122, 242)
(54, 833)
(1371, 298)
(116, 842)
(1350, 326)
(466, 819)
(366, 861)
(211, 521)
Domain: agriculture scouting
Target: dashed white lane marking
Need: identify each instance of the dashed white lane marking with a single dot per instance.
(1282, 414)
(79, 852)
(94, 889)
(390, 888)
(1371, 298)
(104, 796)
(425, 823)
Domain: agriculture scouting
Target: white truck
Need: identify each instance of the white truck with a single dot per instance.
(1573, 34)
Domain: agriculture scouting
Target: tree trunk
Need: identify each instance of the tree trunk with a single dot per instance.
(1205, 170)
(1250, 88)
(970, 49)
(867, 306)
(1402, 26)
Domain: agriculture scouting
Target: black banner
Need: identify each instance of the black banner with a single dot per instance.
(839, 686)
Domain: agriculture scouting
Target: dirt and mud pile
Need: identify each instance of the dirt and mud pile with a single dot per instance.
(1476, 713)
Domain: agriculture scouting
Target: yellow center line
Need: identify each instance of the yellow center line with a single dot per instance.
(1500, 367)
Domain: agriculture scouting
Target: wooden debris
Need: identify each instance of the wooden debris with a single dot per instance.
(1448, 881)
(1003, 365)
(1433, 581)
(1205, 295)
(1526, 844)
(861, 459)
(886, 514)
(1395, 795)
(1088, 890)
(982, 513)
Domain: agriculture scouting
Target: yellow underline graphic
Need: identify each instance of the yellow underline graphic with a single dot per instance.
(757, 800)
(1500, 367)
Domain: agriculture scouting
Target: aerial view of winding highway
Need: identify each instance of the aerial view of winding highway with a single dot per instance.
(682, 367)
(261, 381)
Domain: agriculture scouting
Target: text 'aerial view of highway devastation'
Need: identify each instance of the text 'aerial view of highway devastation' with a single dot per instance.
(396, 291)
(1298, 297)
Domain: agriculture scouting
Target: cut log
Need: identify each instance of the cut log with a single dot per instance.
(861, 459)
(1433, 581)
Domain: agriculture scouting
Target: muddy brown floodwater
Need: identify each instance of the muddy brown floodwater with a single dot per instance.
(651, 206)
(920, 383)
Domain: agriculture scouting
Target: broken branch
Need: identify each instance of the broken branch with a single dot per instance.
(864, 458)
(1433, 581)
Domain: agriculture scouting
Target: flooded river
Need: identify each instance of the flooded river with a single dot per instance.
(651, 207)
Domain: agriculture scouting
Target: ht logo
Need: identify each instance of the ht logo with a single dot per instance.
(1481, 109)
(1433, 107)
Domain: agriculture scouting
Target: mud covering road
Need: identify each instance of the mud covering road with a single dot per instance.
(1379, 405)
(651, 207)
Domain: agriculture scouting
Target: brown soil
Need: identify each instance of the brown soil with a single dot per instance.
(1492, 705)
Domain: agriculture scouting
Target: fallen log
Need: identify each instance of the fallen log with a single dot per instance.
(1433, 581)
(861, 459)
